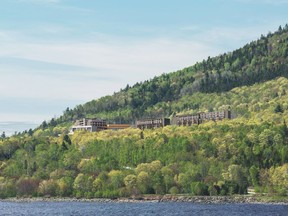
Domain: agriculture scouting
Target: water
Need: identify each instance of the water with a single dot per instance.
(11, 127)
(138, 209)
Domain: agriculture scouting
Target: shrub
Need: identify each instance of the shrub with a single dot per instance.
(48, 188)
(27, 186)
(7, 188)
(174, 190)
(199, 189)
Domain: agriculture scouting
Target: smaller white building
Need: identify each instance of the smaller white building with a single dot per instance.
(89, 128)
(91, 125)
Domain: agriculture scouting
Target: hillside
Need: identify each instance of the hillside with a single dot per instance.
(214, 158)
(258, 61)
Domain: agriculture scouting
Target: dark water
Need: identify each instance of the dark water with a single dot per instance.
(145, 209)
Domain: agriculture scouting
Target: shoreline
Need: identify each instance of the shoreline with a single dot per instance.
(162, 198)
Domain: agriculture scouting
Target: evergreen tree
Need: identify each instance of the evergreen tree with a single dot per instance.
(278, 109)
(3, 135)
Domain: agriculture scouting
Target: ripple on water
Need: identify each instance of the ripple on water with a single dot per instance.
(141, 209)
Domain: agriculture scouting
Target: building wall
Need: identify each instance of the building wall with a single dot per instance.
(117, 126)
(201, 117)
(152, 123)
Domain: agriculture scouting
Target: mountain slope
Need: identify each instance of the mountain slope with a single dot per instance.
(213, 158)
(258, 61)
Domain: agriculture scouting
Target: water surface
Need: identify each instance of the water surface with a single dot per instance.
(144, 209)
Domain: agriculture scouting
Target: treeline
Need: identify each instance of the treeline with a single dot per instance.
(258, 61)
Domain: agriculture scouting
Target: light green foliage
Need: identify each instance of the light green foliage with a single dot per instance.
(116, 178)
(48, 188)
(7, 188)
(143, 182)
(65, 186)
(168, 178)
(254, 175)
(184, 159)
(279, 179)
(130, 182)
(83, 185)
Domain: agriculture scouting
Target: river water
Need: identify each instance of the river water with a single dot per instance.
(138, 209)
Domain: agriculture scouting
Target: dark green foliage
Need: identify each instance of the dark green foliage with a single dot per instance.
(284, 129)
(44, 125)
(278, 109)
(67, 139)
(199, 189)
(3, 136)
(30, 132)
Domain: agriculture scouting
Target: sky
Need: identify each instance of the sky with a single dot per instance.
(56, 54)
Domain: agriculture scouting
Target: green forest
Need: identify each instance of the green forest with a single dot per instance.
(214, 158)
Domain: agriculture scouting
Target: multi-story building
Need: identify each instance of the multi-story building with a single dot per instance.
(199, 118)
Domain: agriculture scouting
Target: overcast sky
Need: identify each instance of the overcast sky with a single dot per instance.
(56, 54)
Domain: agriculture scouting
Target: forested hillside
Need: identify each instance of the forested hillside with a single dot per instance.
(213, 158)
(258, 61)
